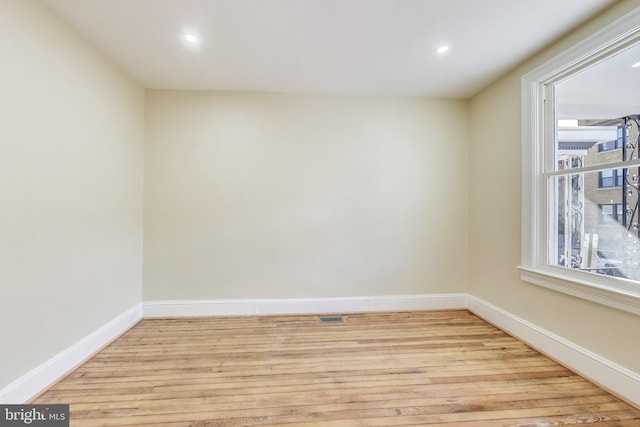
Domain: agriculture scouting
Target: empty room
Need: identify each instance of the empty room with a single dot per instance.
(320, 213)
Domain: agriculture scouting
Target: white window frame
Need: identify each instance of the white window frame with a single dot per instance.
(538, 136)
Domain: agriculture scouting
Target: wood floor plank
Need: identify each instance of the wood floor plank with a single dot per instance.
(445, 368)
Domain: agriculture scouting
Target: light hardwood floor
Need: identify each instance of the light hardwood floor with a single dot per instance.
(442, 368)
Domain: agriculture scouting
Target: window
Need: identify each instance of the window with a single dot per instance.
(612, 145)
(610, 178)
(610, 214)
(581, 169)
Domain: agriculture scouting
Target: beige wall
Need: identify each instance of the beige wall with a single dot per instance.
(495, 197)
(281, 196)
(71, 144)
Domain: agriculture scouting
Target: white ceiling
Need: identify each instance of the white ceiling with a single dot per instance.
(328, 46)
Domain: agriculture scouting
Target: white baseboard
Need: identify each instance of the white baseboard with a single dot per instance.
(40, 378)
(302, 305)
(617, 379)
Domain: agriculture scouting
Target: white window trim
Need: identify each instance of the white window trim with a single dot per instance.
(613, 292)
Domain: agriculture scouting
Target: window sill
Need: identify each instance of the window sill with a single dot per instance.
(582, 285)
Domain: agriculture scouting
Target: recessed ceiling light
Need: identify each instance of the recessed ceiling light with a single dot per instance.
(191, 38)
(636, 65)
(442, 49)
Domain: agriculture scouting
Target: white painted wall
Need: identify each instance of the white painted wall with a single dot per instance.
(252, 195)
(71, 147)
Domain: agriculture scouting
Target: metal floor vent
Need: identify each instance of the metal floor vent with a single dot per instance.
(330, 320)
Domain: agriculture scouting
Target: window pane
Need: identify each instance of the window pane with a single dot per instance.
(607, 210)
(586, 144)
(595, 229)
(611, 212)
(610, 178)
(594, 107)
(612, 145)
